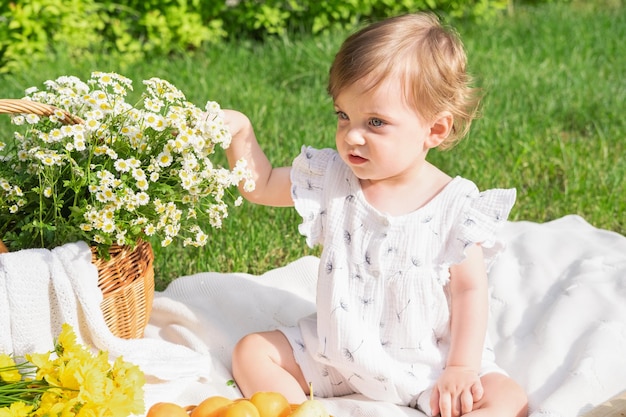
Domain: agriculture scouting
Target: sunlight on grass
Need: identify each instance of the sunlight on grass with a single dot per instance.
(553, 122)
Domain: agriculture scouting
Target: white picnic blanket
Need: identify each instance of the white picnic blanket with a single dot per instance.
(558, 308)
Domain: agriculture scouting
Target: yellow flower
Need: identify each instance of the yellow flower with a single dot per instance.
(8, 370)
(128, 394)
(73, 383)
(66, 342)
(17, 409)
(43, 363)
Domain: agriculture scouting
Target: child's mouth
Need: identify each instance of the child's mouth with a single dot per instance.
(356, 160)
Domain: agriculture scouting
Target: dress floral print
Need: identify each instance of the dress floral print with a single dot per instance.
(382, 323)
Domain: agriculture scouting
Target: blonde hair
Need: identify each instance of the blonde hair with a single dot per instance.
(427, 58)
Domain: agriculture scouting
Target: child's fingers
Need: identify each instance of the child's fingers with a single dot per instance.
(467, 401)
(477, 391)
(434, 401)
(445, 405)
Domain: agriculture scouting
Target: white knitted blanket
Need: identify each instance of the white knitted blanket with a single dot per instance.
(558, 310)
(42, 289)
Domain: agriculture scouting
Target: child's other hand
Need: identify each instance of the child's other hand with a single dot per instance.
(456, 391)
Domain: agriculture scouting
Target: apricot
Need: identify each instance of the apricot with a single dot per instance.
(271, 404)
(240, 408)
(165, 409)
(211, 406)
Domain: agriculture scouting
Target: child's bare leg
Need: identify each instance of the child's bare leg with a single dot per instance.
(502, 397)
(265, 362)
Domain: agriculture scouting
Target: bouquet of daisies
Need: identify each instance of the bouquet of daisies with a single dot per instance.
(107, 172)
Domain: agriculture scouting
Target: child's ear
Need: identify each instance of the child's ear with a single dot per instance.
(440, 129)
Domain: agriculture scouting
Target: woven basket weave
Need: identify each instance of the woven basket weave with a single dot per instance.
(127, 278)
(127, 284)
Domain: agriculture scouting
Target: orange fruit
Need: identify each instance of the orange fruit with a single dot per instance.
(271, 404)
(166, 410)
(210, 407)
(240, 408)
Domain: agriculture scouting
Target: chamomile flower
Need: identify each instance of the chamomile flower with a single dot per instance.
(121, 165)
(150, 229)
(164, 159)
(142, 198)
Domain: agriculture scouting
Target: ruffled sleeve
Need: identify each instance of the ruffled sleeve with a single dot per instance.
(308, 175)
(481, 216)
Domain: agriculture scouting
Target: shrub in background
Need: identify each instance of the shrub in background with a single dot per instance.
(32, 29)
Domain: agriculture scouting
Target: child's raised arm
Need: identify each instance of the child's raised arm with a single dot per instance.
(273, 185)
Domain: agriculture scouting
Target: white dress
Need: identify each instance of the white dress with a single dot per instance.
(382, 323)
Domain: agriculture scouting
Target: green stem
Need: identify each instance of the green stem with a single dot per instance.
(41, 210)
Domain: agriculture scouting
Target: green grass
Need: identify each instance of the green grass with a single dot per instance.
(553, 124)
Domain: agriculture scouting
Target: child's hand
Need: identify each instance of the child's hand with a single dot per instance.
(235, 121)
(456, 391)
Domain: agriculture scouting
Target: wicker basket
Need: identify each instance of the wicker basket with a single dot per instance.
(127, 278)
(127, 284)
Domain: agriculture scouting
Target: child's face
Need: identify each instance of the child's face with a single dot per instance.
(379, 135)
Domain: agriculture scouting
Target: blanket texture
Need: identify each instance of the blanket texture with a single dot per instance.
(558, 319)
(42, 289)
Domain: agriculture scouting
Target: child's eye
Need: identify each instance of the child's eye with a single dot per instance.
(376, 122)
(341, 115)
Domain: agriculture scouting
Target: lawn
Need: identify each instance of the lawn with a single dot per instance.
(553, 120)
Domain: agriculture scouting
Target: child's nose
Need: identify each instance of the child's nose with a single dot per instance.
(354, 136)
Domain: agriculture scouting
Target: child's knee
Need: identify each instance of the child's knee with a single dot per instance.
(504, 395)
(246, 347)
(255, 347)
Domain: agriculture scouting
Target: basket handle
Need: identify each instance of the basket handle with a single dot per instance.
(23, 106)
